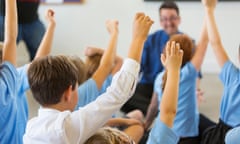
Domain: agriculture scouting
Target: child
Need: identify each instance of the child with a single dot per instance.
(161, 132)
(172, 61)
(53, 81)
(10, 117)
(21, 113)
(90, 89)
(230, 103)
(187, 118)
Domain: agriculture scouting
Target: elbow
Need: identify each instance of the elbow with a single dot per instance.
(169, 112)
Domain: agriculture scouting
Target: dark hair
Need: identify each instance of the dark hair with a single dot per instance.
(186, 44)
(49, 77)
(92, 63)
(169, 5)
(81, 68)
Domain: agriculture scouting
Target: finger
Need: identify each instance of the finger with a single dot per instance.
(177, 49)
(173, 48)
(139, 15)
(181, 53)
(168, 48)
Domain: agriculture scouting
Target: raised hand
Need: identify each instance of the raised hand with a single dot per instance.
(50, 16)
(209, 3)
(141, 26)
(172, 60)
(112, 26)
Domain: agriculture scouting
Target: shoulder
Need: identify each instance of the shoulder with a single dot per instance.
(9, 75)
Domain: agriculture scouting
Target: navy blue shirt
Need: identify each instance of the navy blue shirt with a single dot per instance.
(150, 63)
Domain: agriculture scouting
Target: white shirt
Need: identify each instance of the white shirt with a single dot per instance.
(55, 127)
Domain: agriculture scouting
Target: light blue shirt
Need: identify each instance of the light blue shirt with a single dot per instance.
(233, 136)
(12, 115)
(187, 118)
(230, 104)
(161, 134)
(88, 91)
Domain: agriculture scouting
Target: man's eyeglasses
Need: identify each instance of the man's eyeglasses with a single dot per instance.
(172, 18)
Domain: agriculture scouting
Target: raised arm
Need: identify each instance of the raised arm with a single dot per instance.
(141, 26)
(109, 55)
(11, 31)
(152, 111)
(172, 62)
(46, 44)
(214, 36)
(201, 47)
(90, 51)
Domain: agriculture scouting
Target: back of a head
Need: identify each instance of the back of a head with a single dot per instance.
(81, 67)
(1, 47)
(107, 135)
(186, 44)
(169, 5)
(92, 63)
(49, 77)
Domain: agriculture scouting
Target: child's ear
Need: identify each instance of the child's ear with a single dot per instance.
(67, 94)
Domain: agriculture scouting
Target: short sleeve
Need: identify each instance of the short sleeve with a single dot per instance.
(8, 83)
(158, 84)
(87, 92)
(23, 79)
(229, 73)
(161, 134)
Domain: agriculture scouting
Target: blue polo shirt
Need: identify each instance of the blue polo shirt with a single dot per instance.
(88, 91)
(233, 136)
(11, 116)
(187, 117)
(161, 134)
(230, 103)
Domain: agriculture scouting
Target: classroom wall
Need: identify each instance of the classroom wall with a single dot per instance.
(81, 25)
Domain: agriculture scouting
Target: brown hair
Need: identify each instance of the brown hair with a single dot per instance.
(1, 47)
(92, 63)
(186, 44)
(49, 77)
(107, 135)
(81, 67)
(169, 5)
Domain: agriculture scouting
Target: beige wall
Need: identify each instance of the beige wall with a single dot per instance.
(82, 25)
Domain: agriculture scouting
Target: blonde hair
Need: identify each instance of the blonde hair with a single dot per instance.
(108, 135)
(92, 63)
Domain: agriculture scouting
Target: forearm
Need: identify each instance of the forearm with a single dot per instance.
(214, 37)
(135, 50)
(152, 111)
(11, 30)
(168, 106)
(46, 44)
(201, 47)
(106, 63)
(113, 122)
(110, 53)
